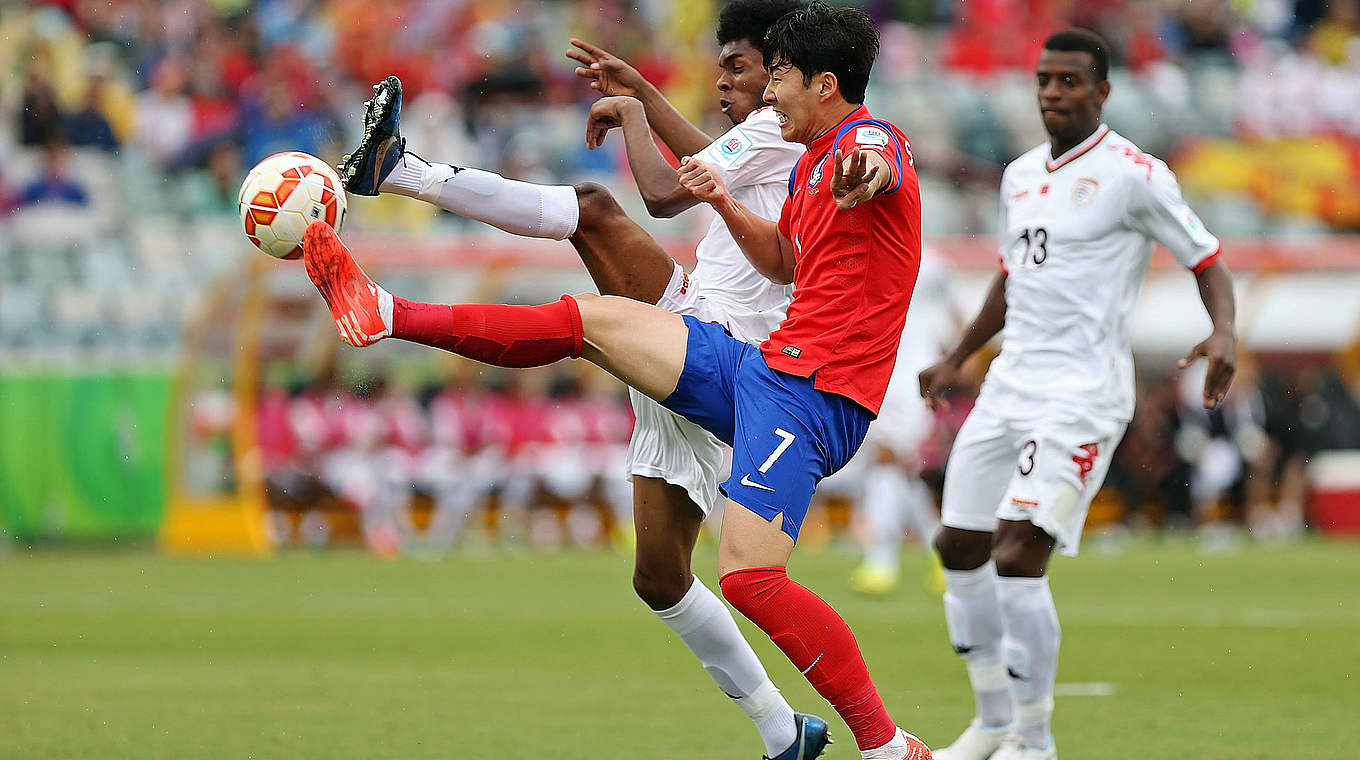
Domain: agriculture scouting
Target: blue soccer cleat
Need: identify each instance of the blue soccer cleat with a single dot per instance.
(364, 170)
(813, 736)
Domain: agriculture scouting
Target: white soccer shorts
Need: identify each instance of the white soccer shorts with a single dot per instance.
(664, 444)
(1039, 465)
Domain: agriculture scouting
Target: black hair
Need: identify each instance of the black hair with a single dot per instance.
(819, 38)
(751, 19)
(1077, 40)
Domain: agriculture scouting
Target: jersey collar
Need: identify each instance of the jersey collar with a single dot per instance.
(1077, 151)
(823, 142)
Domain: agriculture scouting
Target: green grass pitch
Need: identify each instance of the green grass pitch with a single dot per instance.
(1254, 654)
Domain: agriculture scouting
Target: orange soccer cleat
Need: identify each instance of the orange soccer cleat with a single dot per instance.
(362, 310)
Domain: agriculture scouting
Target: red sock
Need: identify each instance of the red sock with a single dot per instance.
(506, 336)
(818, 642)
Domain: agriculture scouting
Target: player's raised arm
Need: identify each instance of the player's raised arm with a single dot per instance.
(656, 180)
(769, 252)
(988, 322)
(611, 75)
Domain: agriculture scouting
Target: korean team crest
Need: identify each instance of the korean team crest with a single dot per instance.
(1084, 191)
(816, 178)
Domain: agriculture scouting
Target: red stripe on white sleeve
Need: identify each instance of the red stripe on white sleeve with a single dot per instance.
(1208, 262)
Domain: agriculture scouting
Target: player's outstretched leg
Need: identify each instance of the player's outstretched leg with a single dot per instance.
(621, 257)
(639, 344)
(381, 163)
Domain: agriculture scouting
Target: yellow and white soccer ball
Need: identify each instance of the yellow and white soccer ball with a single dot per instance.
(282, 195)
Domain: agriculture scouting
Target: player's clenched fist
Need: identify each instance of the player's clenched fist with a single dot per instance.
(702, 180)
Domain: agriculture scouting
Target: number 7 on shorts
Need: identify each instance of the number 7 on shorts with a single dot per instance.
(778, 450)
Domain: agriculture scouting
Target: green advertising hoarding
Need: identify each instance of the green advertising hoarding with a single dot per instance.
(82, 455)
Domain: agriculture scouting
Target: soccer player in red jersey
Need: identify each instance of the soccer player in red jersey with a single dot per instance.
(795, 409)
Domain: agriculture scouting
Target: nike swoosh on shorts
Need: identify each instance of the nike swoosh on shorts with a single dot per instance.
(746, 481)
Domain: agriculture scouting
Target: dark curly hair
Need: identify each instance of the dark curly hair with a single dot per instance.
(1078, 40)
(752, 19)
(819, 38)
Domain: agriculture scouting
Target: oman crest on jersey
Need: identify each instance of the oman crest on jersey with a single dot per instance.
(1084, 191)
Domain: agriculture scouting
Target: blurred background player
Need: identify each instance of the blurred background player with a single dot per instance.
(674, 464)
(1079, 216)
(883, 482)
(849, 240)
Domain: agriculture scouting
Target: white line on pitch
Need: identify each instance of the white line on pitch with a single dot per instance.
(1089, 689)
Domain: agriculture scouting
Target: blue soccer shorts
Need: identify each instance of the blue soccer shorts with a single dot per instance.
(785, 434)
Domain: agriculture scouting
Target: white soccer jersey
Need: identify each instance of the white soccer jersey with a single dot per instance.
(755, 162)
(1076, 234)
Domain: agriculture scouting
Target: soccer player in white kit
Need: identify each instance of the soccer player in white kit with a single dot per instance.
(1079, 216)
(673, 463)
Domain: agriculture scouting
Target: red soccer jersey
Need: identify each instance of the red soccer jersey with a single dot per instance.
(854, 270)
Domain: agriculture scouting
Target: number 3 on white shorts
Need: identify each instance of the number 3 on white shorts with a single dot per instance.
(778, 450)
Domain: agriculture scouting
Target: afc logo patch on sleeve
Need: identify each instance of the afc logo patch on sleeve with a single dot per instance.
(871, 136)
(1192, 223)
(727, 149)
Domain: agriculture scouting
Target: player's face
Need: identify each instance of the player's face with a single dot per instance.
(794, 102)
(1069, 97)
(741, 79)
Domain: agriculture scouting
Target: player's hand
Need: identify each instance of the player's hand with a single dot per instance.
(935, 379)
(608, 74)
(1220, 349)
(852, 182)
(702, 180)
(606, 114)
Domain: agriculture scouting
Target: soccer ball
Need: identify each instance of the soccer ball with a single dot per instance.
(282, 195)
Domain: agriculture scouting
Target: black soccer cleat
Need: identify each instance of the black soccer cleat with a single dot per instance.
(364, 170)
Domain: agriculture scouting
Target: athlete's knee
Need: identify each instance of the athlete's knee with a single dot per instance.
(751, 588)
(963, 549)
(661, 584)
(603, 316)
(1023, 552)
(596, 204)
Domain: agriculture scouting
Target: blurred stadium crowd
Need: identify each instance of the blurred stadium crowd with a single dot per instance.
(126, 126)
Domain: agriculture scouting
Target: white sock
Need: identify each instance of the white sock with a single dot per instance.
(884, 485)
(385, 309)
(702, 621)
(1032, 639)
(895, 749)
(972, 613)
(521, 208)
